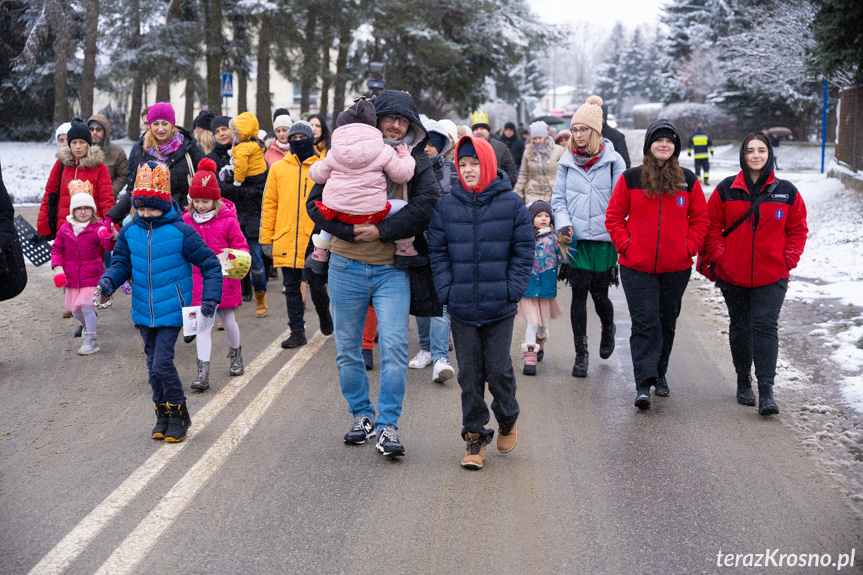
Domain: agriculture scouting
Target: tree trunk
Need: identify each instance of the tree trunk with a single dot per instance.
(326, 79)
(163, 77)
(242, 89)
(189, 116)
(136, 107)
(214, 54)
(88, 74)
(311, 51)
(61, 58)
(263, 100)
(340, 81)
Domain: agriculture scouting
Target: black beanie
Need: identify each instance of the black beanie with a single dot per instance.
(438, 141)
(204, 120)
(219, 121)
(362, 112)
(538, 206)
(280, 112)
(509, 126)
(79, 131)
(466, 149)
(661, 129)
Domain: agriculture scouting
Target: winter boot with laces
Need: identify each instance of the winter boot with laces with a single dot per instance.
(236, 357)
(606, 341)
(178, 422)
(766, 404)
(161, 421)
(581, 357)
(202, 382)
(474, 451)
(90, 345)
(530, 359)
(744, 389)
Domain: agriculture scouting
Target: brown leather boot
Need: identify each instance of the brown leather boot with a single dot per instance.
(261, 304)
(474, 451)
(506, 441)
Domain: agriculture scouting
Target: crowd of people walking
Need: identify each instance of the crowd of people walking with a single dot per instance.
(393, 215)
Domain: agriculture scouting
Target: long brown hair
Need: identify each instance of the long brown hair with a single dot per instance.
(657, 179)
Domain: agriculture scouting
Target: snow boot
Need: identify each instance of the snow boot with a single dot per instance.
(660, 388)
(744, 389)
(202, 382)
(642, 394)
(581, 357)
(178, 422)
(90, 345)
(530, 359)
(161, 421)
(606, 341)
(236, 357)
(541, 341)
(766, 405)
(261, 309)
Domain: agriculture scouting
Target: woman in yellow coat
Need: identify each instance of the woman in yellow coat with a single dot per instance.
(286, 229)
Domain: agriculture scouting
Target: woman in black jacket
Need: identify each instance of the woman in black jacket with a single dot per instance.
(13, 273)
(168, 144)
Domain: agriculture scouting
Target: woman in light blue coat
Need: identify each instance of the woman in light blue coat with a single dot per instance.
(586, 176)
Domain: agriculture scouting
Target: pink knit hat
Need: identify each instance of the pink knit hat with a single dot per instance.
(161, 111)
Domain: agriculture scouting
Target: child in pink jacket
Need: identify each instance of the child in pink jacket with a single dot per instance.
(215, 220)
(356, 172)
(76, 259)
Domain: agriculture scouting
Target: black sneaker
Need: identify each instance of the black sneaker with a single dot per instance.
(189, 338)
(388, 442)
(327, 324)
(368, 359)
(363, 429)
(295, 340)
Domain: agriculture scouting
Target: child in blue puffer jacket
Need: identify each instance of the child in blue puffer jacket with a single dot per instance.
(481, 247)
(157, 251)
(539, 305)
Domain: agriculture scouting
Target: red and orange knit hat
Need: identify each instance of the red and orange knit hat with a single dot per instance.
(152, 187)
(205, 185)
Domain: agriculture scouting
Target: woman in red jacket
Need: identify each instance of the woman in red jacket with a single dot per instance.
(657, 220)
(753, 260)
(80, 160)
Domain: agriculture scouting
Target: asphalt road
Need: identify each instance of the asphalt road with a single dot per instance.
(265, 484)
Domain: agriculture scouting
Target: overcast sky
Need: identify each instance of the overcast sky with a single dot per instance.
(630, 12)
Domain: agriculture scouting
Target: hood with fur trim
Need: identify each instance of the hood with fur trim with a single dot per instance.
(94, 157)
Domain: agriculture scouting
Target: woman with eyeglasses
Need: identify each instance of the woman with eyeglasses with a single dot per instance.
(586, 175)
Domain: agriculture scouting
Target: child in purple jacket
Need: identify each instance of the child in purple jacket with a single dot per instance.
(76, 259)
(362, 175)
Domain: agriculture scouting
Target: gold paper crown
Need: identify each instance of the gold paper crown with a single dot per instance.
(80, 187)
(156, 179)
(478, 117)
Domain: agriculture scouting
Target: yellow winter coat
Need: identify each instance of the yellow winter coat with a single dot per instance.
(284, 220)
(249, 153)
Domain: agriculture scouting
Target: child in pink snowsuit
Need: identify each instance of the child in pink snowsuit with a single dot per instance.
(356, 172)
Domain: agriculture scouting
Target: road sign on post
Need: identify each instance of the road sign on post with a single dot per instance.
(227, 85)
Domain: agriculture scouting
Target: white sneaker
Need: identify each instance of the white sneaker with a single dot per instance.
(420, 360)
(442, 371)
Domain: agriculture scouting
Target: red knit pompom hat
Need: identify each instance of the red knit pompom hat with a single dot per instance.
(205, 184)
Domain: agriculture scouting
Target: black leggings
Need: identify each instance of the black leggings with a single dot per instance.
(753, 329)
(597, 284)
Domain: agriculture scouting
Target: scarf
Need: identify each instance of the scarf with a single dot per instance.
(162, 152)
(302, 149)
(77, 227)
(203, 218)
(543, 152)
(584, 159)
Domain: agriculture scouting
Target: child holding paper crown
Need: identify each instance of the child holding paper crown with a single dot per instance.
(157, 250)
(215, 219)
(76, 259)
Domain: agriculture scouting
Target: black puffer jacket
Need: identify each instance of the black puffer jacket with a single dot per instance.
(412, 220)
(246, 198)
(13, 273)
(177, 164)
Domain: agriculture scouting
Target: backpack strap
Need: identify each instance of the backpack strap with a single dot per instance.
(191, 173)
(754, 206)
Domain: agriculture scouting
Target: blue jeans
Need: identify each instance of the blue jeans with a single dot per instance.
(259, 276)
(164, 379)
(434, 335)
(353, 285)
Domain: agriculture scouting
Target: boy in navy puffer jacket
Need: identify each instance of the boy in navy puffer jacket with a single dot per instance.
(481, 247)
(157, 250)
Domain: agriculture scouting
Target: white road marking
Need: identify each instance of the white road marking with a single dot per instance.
(59, 558)
(141, 540)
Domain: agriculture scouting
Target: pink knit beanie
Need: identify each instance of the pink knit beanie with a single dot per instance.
(161, 111)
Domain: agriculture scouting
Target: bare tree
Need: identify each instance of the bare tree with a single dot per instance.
(88, 73)
(263, 99)
(214, 54)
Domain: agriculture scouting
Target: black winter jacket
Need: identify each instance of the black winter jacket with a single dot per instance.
(618, 140)
(246, 198)
(516, 147)
(13, 271)
(481, 247)
(177, 164)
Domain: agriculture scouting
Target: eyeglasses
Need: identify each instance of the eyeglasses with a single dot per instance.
(96, 129)
(393, 118)
(581, 131)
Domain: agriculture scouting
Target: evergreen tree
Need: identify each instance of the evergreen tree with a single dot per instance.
(838, 49)
(608, 79)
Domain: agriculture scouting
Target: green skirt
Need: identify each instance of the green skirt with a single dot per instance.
(594, 256)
